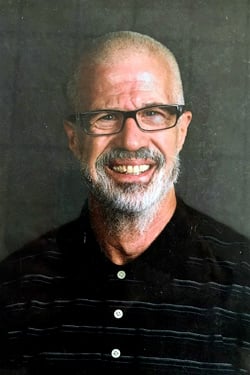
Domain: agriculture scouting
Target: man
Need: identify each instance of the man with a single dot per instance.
(139, 282)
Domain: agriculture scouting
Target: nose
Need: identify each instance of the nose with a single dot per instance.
(131, 136)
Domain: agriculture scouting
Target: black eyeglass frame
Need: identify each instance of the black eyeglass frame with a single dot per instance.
(78, 117)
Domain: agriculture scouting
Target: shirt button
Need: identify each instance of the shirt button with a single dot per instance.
(121, 275)
(118, 314)
(115, 353)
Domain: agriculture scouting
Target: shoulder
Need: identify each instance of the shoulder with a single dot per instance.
(37, 271)
(210, 233)
(41, 256)
(36, 263)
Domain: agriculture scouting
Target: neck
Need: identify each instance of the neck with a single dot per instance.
(124, 237)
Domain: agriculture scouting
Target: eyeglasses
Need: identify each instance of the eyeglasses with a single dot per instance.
(148, 119)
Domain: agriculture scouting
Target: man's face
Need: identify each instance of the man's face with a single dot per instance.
(132, 170)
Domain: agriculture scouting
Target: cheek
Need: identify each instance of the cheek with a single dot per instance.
(167, 143)
(92, 148)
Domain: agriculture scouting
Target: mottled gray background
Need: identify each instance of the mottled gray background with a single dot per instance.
(40, 186)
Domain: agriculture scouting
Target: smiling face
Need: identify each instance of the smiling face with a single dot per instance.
(133, 170)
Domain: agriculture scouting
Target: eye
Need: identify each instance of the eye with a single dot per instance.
(105, 120)
(105, 117)
(108, 117)
(152, 114)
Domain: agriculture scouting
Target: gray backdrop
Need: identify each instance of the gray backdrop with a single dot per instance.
(40, 184)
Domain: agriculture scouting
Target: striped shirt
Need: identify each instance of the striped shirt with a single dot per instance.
(182, 307)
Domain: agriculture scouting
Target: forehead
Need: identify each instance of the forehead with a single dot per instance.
(127, 67)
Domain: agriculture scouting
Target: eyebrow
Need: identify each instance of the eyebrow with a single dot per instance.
(144, 105)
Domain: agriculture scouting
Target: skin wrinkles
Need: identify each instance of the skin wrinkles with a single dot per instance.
(131, 74)
(129, 84)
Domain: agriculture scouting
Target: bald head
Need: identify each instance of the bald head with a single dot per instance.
(111, 48)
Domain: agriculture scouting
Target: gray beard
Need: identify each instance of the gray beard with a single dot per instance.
(131, 206)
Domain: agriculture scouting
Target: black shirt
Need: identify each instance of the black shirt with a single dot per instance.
(182, 307)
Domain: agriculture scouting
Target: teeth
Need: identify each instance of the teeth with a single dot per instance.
(131, 169)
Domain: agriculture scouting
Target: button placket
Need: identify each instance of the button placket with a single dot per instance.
(118, 314)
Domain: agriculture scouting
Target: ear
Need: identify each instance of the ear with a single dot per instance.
(184, 122)
(72, 138)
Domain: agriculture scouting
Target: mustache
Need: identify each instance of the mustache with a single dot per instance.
(120, 153)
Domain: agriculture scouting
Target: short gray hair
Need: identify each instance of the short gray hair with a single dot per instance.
(101, 49)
